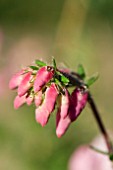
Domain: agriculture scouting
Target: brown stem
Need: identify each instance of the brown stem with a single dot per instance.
(100, 123)
(76, 80)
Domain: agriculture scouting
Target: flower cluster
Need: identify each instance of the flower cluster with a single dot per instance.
(46, 86)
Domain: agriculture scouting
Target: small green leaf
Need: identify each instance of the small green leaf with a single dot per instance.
(40, 63)
(54, 63)
(92, 79)
(64, 79)
(81, 71)
(34, 67)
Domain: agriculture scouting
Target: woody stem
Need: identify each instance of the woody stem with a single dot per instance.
(76, 80)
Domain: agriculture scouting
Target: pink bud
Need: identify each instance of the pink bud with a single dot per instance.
(78, 102)
(19, 101)
(16, 79)
(62, 124)
(43, 76)
(65, 101)
(38, 98)
(25, 84)
(43, 112)
(29, 99)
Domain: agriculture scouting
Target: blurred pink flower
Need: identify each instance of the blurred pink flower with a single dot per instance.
(84, 158)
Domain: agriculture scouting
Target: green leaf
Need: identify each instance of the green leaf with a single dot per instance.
(81, 71)
(40, 63)
(34, 67)
(92, 79)
(54, 63)
(64, 79)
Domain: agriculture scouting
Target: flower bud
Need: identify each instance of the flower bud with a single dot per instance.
(43, 112)
(29, 99)
(78, 102)
(16, 79)
(62, 124)
(25, 84)
(43, 76)
(64, 104)
(38, 98)
(19, 101)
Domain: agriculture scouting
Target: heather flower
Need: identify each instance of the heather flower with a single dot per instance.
(78, 100)
(43, 112)
(19, 101)
(45, 85)
(38, 98)
(65, 101)
(43, 76)
(25, 84)
(16, 79)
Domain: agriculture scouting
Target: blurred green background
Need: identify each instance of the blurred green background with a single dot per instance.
(73, 31)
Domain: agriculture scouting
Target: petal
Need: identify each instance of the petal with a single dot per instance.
(38, 98)
(29, 100)
(78, 102)
(25, 84)
(65, 101)
(16, 79)
(62, 124)
(43, 112)
(43, 76)
(19, 101)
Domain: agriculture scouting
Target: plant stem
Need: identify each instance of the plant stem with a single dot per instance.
(100, 123)
(76, 80)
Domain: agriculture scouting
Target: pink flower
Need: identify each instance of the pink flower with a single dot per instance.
(19, 101)
(84, 158)
(29, 99)
(78, 101)
(43, 112)
(62, 124)
(16, 79)
(42, 85)
(38, 98)
(25, 84)
(64, 105)
(44, 75)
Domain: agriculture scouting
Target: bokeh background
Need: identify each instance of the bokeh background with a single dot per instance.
(73, 31)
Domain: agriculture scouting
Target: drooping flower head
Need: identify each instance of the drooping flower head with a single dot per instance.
(46, 87)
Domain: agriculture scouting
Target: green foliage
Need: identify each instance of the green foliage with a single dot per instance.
(40, 63)
(81, 71)
(34, 67)
(92, 79)
(54, 63)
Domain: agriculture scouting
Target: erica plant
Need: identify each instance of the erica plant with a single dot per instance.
(47, 86)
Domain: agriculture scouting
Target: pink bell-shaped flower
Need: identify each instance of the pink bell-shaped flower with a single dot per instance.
(43, 112)
(25, 84)
(44, 75)
(16, 79)
(78, 100)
